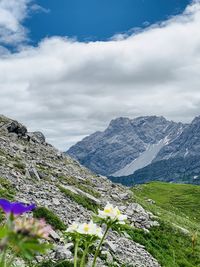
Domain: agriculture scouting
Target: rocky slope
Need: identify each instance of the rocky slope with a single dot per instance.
(39, 173)
(126, 145)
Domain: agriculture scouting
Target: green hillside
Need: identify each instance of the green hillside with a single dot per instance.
(183, 199)
(177, 208)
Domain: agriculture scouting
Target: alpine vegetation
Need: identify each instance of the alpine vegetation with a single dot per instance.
(86, 235)
(21, 236)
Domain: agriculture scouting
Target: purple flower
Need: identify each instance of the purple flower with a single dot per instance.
(15, 208)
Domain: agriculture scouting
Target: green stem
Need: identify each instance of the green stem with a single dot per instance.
(100, 244)
(11, 260)
(76, 252)
(3, 258)
(84, 256)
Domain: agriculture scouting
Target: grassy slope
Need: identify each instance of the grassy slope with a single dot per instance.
(177, 206)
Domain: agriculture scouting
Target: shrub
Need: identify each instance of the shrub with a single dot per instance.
(89, 190)
(50, 217)
(168, 245)
(86, 185)
(21, 167)
(82, 200)
(6, 189)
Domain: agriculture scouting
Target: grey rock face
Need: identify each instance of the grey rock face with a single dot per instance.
(178, 161)
(37, 137)
(143, 149)
(15, 127)
(186, 145)
(122, 142)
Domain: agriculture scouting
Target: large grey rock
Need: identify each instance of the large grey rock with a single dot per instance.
(77, 191)
(37, 137)
(15, 127)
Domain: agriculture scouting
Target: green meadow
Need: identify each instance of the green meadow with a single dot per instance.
(177, 208)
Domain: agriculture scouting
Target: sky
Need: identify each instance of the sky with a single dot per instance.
(68, 67)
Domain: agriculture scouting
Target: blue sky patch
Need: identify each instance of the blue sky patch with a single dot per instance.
(97, 19)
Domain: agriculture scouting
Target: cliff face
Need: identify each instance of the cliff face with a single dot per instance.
(126, 145)
(186, 145)
(143, 149)
(178, 161)
(37, 172)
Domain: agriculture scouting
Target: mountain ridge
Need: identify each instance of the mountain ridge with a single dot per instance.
(176, 162)
(113, 151)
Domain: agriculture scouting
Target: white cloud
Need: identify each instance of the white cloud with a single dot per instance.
(12, 14)
(38, 8)
(69, 89)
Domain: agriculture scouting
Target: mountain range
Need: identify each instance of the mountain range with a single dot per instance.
(133, 151)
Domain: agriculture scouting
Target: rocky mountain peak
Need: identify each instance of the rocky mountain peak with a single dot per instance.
(196, 120)
(149, 119)
(122, 142)
(121, 121)
(124, 121)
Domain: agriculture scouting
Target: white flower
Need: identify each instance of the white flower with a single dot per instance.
(90, 229)
(72, 228)
(99, 233)
(112, 213)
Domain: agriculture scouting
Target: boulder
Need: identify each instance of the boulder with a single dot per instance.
(17, 128)
(37, 137)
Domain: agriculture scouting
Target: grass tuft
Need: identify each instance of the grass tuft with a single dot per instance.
(85, 186)
(81, 200)
(6, 189)
(50, 217)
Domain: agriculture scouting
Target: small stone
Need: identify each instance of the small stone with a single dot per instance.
(69, 245)
(115, 197)
(111, 246)
(63, 253)
(34, 174)
(54, 235)
(124, 196)
(56, 201)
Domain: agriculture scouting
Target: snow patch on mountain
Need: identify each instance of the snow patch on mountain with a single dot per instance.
(143, 160)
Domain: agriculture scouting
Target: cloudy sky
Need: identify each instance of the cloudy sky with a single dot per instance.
(68, 68)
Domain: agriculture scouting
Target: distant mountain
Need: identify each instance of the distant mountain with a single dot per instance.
(186, 145)
(126, 145)
(179, 161)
